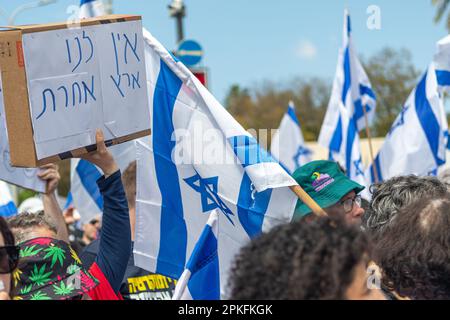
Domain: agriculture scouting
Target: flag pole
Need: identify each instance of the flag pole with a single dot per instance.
(303, 196)
(369, 138)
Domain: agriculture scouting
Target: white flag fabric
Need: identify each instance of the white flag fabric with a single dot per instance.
(288, 145)
(84, 175)
(352, 92)
(418, 138)
(182, 175)
(442, 63)
(7, 206)
(200, 280)
(91, 8)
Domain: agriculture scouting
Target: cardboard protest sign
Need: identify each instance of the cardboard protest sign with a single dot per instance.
(26, 178)
(67, 82)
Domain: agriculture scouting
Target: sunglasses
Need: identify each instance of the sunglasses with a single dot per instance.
(9, 258)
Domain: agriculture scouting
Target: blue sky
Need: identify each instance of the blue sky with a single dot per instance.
(249, 41)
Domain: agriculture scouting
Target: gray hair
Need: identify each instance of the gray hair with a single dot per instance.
(22, 223)
(444, 176)
(389, 197)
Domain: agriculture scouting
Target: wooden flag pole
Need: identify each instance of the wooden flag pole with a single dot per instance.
(369, 137)
(303, 196)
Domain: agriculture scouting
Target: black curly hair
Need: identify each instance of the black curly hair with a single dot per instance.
(299, 261)
(6, 232)
(413, 251)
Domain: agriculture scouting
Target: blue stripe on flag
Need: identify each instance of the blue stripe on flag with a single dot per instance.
(347, 76)
(359, 111)
(351, 135)
(349, 26)
(364, 90)
(248, 151)
(443, 77)
(83, 2)
(252, 208)
(8, 210)
(336, 140)
(173, 239)
(89, 175)
(204, 283)
(292, 115)
(69, 201)
(427, 118)
(378, 167)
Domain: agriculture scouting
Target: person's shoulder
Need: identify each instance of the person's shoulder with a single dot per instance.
(89, 253)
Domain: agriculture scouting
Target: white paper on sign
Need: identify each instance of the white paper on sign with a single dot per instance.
(83, 79)
(25, 178)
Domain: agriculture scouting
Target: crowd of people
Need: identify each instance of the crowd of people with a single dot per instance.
(397, 246)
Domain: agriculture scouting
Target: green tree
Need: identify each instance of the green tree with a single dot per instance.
(263, 106)
(393, 77)
(442, 7)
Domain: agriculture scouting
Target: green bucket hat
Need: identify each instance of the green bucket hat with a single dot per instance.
(325, 182)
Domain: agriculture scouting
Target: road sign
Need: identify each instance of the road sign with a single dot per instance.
(202, 75)
(190, 52)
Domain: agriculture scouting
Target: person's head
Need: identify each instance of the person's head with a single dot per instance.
(91, 229)
(26, 226)
(392, 195)
(9, 256)
(444, 176)
(325, 182)
(49, 269)
(413, 250)
(324, 259)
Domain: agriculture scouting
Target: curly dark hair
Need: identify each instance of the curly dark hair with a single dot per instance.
(413, 251)
(299, 261)
(6, 232)
(392, 195)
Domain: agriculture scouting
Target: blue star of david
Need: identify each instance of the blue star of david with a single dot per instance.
(208, 192)
(301, 151)
(358, 164)
(400, 121)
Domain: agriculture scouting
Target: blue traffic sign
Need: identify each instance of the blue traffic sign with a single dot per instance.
(190, 52)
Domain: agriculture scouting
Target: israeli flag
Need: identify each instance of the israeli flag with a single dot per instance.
(200, 280)
(352, 93)
(417, 140)
(7, 206)
(91, 8)
(442, 63)
(288, 145)
(199, 159)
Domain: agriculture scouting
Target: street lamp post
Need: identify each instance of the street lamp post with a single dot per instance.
(177, 10)
(28, 6)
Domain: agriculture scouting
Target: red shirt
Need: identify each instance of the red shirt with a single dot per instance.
(103, 291)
